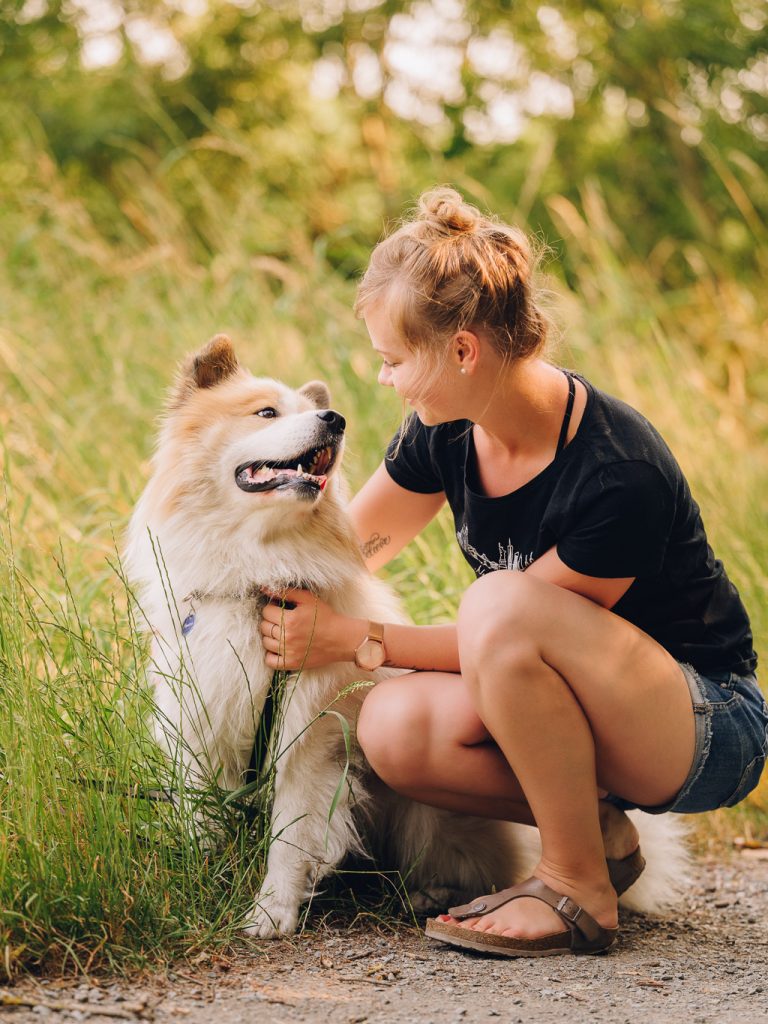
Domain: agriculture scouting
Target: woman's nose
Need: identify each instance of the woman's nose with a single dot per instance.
(385, 377)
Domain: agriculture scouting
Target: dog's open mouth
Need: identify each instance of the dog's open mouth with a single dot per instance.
(310, 469)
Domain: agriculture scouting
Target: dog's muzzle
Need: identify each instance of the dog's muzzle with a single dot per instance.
(307, 473)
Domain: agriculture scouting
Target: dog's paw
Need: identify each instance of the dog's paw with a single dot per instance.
(272, 918)
(432, 899)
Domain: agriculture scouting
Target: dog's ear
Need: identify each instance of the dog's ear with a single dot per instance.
(214, 363)
(210, 366)
(318, 394)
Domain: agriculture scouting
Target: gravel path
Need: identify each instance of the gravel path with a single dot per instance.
(708, 963)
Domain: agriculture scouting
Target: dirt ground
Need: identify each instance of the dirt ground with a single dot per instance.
(707, 963)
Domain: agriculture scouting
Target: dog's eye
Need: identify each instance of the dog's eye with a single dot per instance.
(269, 413)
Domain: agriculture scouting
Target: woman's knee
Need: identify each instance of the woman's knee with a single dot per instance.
(496, 635)
(393, 730)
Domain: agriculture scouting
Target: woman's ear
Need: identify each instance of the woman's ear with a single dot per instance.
(466, 352)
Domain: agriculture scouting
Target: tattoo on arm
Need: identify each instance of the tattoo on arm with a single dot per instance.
(374, 543)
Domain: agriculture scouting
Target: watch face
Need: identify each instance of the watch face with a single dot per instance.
(370, 654)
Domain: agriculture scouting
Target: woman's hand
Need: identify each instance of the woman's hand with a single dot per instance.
(308, 633)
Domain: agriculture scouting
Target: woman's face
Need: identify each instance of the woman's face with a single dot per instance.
(415, 377)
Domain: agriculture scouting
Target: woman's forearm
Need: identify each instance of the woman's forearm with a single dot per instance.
(424, 648)
(300, 631)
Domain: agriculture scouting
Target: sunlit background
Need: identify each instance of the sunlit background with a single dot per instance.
(663, 103)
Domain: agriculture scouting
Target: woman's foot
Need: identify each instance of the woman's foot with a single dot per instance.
(532, 919)
(529, 918)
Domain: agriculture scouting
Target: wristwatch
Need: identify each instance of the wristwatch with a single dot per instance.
(370, 654)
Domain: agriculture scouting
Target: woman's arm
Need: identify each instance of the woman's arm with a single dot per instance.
(600, 590)
(312, 634)
(309, 634)
(386, 516)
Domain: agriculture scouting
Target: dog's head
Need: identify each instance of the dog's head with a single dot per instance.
(247, 443)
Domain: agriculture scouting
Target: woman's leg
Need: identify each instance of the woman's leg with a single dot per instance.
(574, 697)
(424, 739)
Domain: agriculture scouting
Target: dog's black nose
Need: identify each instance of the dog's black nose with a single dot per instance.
(334, 419)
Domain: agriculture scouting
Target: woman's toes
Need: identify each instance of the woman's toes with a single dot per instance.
(520, 919)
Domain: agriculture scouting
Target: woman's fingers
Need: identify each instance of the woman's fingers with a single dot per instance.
(275, 654)
(276, 661)
(273, 613)
(278, 648)
(293, 630)
(271, 630)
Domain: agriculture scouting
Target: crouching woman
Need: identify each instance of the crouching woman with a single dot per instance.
(602, 660)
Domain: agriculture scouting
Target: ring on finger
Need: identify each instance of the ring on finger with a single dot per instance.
(272, 631)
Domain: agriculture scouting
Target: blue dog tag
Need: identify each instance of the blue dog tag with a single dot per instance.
(187, 624)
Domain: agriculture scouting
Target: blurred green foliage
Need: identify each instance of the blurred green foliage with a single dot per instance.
(665, 103)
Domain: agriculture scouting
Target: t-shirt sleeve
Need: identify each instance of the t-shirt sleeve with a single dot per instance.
(621, 523)
(410, 458)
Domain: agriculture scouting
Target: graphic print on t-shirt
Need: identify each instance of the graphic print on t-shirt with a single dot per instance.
(508, 557)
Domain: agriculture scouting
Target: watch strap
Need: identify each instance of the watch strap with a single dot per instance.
(376, 632)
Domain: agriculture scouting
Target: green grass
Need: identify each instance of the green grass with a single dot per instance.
(93, 870)
(91, 332)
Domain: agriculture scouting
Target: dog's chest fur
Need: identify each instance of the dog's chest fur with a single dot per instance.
(216, 665)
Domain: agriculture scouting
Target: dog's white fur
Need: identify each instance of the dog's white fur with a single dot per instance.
(194, 532)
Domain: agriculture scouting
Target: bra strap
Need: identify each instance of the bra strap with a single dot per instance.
(568, 410)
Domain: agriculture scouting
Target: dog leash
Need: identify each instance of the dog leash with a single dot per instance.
(263, 738)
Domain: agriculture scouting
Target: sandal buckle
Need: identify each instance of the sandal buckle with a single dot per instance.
(569, 909)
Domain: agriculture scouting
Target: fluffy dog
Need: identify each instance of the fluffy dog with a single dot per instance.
(246, 494)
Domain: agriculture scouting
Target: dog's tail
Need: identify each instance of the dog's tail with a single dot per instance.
(667, 875)
(663, 844)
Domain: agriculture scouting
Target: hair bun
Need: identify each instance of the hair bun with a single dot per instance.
(445, 208)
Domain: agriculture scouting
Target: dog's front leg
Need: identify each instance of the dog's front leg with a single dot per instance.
(305, 844)
(290, 865)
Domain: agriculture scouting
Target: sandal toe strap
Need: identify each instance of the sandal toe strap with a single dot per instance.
(586, 933)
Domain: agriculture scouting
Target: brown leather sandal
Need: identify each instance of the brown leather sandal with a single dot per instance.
(584, 934)
(626, 872)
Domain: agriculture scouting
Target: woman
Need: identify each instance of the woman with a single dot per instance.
(613, 669)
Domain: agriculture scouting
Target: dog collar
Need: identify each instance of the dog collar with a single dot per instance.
(254, 590)
(199, 596)
(251, 592)
(223, 595)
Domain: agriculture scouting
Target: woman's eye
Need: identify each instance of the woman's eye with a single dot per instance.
(390, 366)
(269, 413)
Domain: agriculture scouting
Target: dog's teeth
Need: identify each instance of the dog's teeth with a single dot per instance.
(300, 471)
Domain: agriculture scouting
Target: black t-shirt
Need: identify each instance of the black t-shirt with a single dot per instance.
(614, 503)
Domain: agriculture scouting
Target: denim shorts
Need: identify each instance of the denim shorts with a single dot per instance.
(731, 720)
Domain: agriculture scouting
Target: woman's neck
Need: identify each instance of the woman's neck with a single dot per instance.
(519, 413)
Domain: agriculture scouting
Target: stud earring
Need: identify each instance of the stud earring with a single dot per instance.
(462, 370)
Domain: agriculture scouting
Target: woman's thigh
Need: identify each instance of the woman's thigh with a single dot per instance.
(632, 691)
(433, 707)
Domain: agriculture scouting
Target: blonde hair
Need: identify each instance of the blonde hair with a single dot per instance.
(450, 268)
